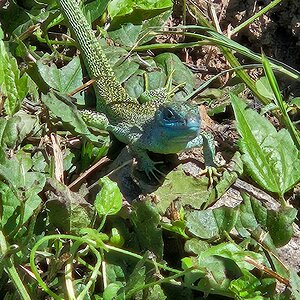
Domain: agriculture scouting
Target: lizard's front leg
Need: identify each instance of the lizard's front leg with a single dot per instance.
(206, 140)
(94, 119)
(145, 163)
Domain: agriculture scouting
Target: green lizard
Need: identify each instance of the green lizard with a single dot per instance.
(160, 125)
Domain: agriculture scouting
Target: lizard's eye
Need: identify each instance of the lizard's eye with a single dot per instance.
(169, 114)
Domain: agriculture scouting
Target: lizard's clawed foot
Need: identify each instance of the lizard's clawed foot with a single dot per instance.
(150, 169)
(212, 172)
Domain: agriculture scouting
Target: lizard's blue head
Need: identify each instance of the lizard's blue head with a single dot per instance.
(178, 122)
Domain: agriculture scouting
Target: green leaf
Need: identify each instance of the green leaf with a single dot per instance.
(112, 291)
(246, 287)
(196, 246)
(202, 224)
(131, 35)
(296, 102)
(231, 251)
(137, 278)
(285, 119)
(127, 35)
(125, 70)
(176, 226)
(136, 85)
(67, 210)
(258, 220)
(13, 17)
(62, 107)
(135, 11)
(191, 191)
(21, 163)
(280, 225)
(14, 130)
(271, 157)
(13, 86)
(95, 9)
(264, 88)
(252, 214)
(9, 204)
(220, 272)
(116, 238)
(156, 292)
(66, 79)
(178, 72)
(146, 222)
(109, 199)
(20, 195)
(210, 224)
(295, 284)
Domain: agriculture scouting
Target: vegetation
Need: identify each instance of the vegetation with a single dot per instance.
(66, 231)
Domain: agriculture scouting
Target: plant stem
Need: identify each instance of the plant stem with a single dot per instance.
(11, 270)
(141, 257)
(257, 15)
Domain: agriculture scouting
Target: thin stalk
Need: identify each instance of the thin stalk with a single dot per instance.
(15, 278)
(71, 237)
(141, 257)
(204, 85)
(159, 282)
(279, 102)
(69, 280)
(102, 222)
(234, 62)
(171, 46)
(257, 15)
(11, 269)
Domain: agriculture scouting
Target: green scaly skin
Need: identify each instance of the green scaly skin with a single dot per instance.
(160, 125)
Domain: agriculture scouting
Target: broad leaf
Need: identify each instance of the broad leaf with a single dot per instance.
(295, 284)
(271, 157)
(114, 291)
(280, 225)
(109, 199)
(13, 86)
(137, 277)
(94, 9)
(19, 197)
(66, 79)
(136, 11)
(210, 224)
(62, 107)
(67, 210)
(246, 287)
(177, 72)
(16, 129)
(146, 219)
(264, 88)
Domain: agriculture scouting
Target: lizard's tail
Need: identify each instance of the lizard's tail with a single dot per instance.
(107, 87)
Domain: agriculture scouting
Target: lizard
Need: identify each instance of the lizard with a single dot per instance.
(161, 125)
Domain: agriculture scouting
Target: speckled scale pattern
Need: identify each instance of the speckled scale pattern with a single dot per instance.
(157, 124)
(131, 112)
(95, 119)
(98, 67)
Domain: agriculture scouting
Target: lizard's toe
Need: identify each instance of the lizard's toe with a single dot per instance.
(150, 169)
(212, 172)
